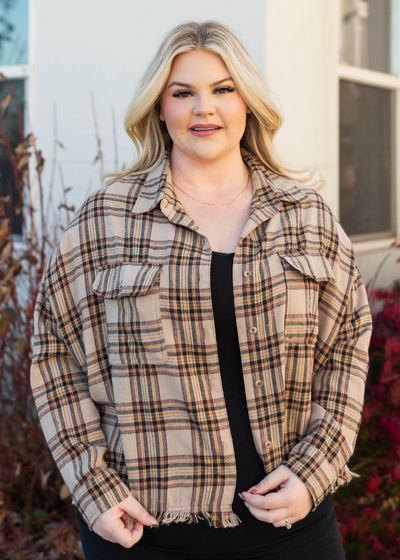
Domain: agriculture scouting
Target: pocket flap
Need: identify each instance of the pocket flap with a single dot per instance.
(125, 279)
(315, 266)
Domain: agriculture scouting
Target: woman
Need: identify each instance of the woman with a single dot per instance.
(202, 331)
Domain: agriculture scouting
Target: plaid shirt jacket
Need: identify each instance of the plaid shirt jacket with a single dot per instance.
(125, 373)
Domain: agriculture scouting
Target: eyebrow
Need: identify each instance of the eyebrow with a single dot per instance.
(190, 86)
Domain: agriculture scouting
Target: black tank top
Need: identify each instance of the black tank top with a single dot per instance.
(252, 536)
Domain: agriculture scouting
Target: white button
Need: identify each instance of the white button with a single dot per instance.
(268, 444)
(204, 334)
(259, 383)
(252, 330)
(210, 384)
(248, 273)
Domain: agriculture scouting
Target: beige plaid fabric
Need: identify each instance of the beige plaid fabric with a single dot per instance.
(125, 373)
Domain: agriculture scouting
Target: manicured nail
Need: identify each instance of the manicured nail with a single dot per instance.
(152, 519)
(240, 495)
(253, 489)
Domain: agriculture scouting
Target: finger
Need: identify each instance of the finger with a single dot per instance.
(281, 523)
(268, 516)
(138, 512)
(126, 530)
(128, 536)
(271, 481)
(271, 500)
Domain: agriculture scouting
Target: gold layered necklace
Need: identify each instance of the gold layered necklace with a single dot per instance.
(213, 203)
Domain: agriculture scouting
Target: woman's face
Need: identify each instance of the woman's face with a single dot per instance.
(193, 96)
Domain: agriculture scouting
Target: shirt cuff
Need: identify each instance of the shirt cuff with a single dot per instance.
(316, 472)
(100, 490)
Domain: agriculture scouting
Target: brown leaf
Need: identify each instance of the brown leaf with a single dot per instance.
(390, 503)
(6, 252)
(44, 478)
(20, 347)
(5, 102)
(4, 327)
(32, 260)
(40, 161)
(5, 293)
(9, 314)
(23, 161)
(70, 208)
(64, 492)
(20, 148)
(13, 271)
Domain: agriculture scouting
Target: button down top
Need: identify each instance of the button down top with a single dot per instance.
(120, 366)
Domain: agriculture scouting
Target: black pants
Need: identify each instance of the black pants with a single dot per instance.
(327, 547)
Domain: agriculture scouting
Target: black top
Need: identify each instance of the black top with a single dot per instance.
(251, 536)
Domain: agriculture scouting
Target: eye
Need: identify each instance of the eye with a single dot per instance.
(227, 88)
(180, 94)
(184, 93)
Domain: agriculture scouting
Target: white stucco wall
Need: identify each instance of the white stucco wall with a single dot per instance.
(104, 47)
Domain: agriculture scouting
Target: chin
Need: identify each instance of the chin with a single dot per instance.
(206, 152)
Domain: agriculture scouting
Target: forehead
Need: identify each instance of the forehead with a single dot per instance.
(197, 64)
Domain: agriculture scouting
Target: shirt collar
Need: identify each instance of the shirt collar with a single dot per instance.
(269, 187)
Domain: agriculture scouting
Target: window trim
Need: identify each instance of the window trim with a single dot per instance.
(18, 72)
(367, 242)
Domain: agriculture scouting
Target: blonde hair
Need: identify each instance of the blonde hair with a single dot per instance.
(151, 136)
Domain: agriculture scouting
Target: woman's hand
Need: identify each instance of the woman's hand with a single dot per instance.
(292, 501)
(123, 523)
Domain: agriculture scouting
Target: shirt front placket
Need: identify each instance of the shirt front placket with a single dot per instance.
(261, 351)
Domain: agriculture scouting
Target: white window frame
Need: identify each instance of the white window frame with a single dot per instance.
(23, 72)
(382, 80)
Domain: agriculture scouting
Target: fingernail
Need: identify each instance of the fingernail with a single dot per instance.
(240, 495)
(246, 504)
(153, 519)
(253, 489)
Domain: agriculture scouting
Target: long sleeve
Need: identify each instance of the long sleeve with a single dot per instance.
(340, 369)
(69, 418)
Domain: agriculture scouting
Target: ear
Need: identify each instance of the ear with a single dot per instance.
(248, 110)
(161, 117)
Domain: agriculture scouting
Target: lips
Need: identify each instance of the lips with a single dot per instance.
(207, 126)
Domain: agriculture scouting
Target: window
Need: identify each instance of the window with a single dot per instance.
(369, 34)
(369, 82)
(13, 65)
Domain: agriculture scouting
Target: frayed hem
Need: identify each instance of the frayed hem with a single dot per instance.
(217, 520)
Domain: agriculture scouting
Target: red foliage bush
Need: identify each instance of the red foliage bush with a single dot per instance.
(37, 521)
(368, 511)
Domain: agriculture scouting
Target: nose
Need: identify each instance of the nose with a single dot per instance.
(204, 105)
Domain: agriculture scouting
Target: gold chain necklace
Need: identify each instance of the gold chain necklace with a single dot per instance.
(211, 203)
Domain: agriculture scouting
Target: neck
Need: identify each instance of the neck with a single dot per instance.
(200, 176)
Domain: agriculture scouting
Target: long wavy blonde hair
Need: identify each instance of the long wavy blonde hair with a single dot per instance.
(151, 136)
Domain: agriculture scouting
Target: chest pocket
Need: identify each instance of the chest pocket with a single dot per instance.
(303, 275)
(131, 300)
